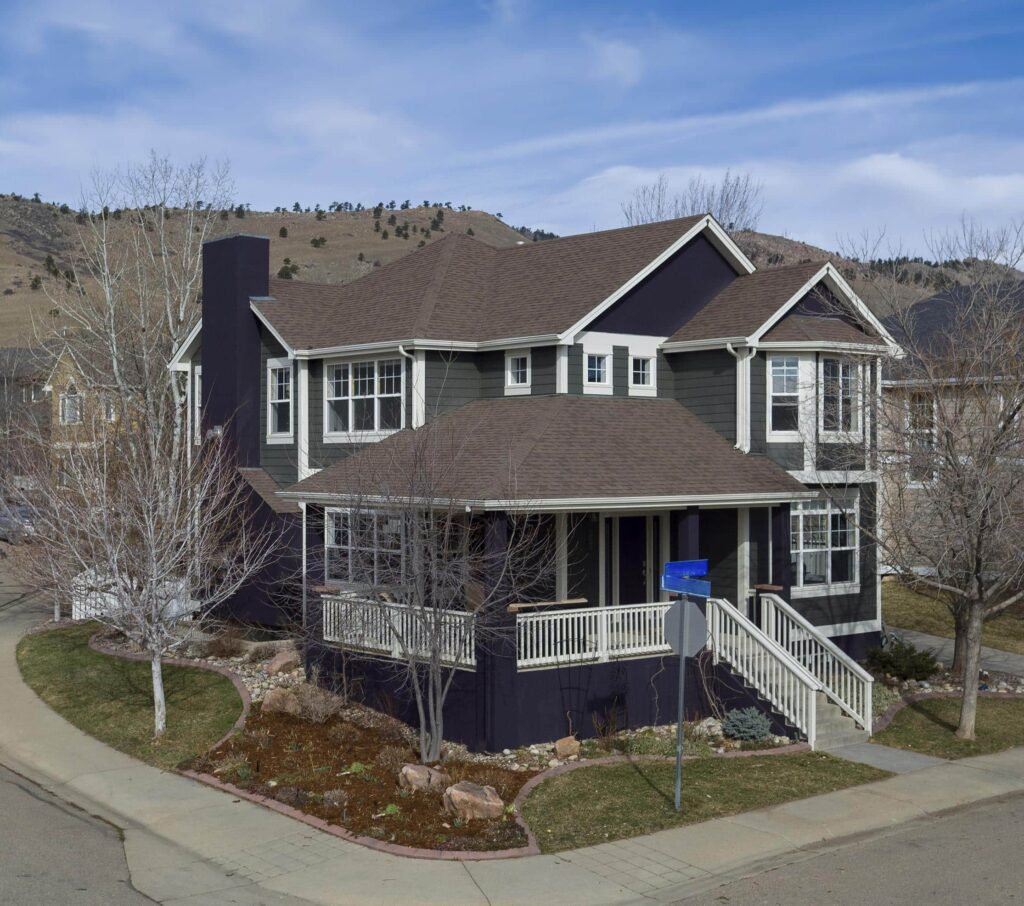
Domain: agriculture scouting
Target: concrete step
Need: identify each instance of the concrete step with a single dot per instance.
(835, 727)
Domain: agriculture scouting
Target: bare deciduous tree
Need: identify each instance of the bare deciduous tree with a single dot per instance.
(736, 201)
(951, 442)
(423, 573)
(127, 526)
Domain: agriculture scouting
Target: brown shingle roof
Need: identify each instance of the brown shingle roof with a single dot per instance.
(800, 327)
(746, 303)
(559, 447)
(266, 488)
(461, 289)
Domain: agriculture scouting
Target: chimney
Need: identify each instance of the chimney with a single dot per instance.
(235, 268)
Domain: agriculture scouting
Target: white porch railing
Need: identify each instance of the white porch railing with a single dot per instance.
(590, 634)
(395, 630)
(770, 669)
(842, 679)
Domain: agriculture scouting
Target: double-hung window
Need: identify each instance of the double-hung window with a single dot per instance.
(784, 393)
(823, 544)
(840, 396)
(279, 399)
(921, 437)
(363, 397)
(70, 406)
(363, 548)
(517, 372)
(596, 369)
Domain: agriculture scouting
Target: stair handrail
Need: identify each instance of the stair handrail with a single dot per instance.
(859, 708)
(719, 609)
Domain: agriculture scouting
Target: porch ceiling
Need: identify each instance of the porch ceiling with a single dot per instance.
(557, 452)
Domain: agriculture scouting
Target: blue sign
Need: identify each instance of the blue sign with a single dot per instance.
(683, 577)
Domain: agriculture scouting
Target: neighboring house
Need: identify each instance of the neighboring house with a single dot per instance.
(647, 388)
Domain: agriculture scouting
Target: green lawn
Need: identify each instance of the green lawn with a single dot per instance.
(111, 698)
(928, 726)
(609, 802)
(908, 610)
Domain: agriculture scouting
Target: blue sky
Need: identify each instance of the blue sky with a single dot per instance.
(855, 116)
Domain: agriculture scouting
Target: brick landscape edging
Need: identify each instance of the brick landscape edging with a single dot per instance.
(236, 681)
(890, 713)
(395, 849)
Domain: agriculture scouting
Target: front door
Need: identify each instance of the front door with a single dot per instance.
(632, 559)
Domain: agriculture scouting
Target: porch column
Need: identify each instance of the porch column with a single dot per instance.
(496, 647)
(782, 570)
(685, 533)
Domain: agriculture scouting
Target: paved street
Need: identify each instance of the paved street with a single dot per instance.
(971, 856)
(54, 853)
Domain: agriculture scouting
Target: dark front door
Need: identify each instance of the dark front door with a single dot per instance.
(632, 559)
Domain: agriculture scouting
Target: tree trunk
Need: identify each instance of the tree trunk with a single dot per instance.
(972, 661)
(961, 619)
(159, 702)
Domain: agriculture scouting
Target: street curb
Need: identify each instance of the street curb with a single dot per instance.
(890, 713)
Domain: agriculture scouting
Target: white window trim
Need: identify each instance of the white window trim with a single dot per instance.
(852, 587)
(197, 404)
(330, 512)
(841, 436)
(512, 389)
(650, 389)
(357, 437)
(598, 387)
(62, 410)
(916, 484)
(281, 438)
(804, 376)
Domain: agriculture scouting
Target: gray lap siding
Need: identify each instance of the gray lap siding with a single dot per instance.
(705, 382)
(279, 460)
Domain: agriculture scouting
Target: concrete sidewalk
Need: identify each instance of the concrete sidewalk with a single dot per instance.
(187, 842)
(991, 658)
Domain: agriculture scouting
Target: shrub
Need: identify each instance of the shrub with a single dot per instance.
(392, 758)
(262, 652)
(227, 644)
(746, 724)
(316, 704)
(902, 660)
(36, 282)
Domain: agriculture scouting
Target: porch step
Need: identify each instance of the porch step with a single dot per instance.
(835, 728)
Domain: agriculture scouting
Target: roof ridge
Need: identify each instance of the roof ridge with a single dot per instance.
(690, 218)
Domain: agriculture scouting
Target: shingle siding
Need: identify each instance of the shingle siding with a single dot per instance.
(705, 382)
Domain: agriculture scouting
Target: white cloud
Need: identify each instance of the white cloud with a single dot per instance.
(614, 61)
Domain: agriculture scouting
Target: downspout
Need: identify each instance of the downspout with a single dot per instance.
(416, 393)
(742, 395)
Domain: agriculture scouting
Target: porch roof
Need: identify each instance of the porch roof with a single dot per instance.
(556, 452)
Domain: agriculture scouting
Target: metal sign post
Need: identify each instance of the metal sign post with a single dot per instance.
(681, 577)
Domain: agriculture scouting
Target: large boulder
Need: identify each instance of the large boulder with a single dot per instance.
(282, 701)
(470, 801)
(284, 662)
(566, 747)
(421, 777)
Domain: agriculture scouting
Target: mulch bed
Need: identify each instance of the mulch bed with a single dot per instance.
(309, 767)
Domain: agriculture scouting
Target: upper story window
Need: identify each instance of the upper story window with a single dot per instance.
(279, 399)
(363, 548)
(840, 396)
(640, 372)
(363, 397)
(596, 369)
(109, 409)
(823, 545)
(921, 437)
(517, 372)
(70, 406)
(784, 395)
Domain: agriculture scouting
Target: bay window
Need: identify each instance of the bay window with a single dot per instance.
(824, 544)
(363, 397)
(363, 548)
(840, 396)
(784, 394)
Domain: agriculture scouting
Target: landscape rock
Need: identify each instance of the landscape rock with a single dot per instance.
(282, 700)
(422, 777)
(709, 728)
(566, 746)
(470, 801)
(284, 662)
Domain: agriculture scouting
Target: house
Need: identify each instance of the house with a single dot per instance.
(646, 390)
